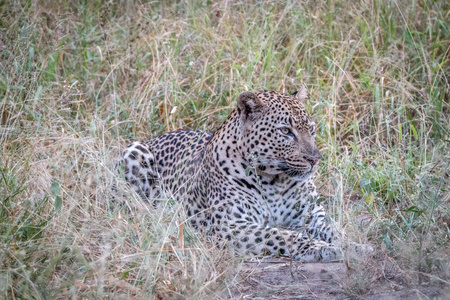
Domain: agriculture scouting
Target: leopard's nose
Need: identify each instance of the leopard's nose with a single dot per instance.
(312, 159)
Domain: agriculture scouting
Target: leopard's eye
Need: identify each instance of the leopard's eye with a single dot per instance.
(285, 130)
(313, 130)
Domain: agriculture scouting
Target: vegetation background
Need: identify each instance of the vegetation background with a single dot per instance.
(81, 79)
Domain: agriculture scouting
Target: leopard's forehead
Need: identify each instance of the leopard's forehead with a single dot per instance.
(287, 105)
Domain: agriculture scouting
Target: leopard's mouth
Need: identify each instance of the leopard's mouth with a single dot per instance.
(294, 172)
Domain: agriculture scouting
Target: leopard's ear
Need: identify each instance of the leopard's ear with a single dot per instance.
(250, 106)
(301, 94)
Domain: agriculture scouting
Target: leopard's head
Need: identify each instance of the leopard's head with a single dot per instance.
(277, 135)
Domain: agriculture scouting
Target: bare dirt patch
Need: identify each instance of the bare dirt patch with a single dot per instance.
(283, 279)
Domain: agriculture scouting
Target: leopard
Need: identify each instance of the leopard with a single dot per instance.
(248, 184)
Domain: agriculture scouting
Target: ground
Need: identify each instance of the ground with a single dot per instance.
(282, 279)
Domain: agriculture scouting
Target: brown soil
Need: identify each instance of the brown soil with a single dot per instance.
(283, 279)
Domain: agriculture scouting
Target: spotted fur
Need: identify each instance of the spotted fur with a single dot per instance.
(249, 183)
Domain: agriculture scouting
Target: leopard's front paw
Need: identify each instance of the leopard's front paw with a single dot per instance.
(331, 254)
(321, 253)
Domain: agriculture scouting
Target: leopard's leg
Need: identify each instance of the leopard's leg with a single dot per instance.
(315, 223)
(253, 238)
(137, 163)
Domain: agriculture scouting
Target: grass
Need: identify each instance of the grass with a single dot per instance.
(80, 79)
